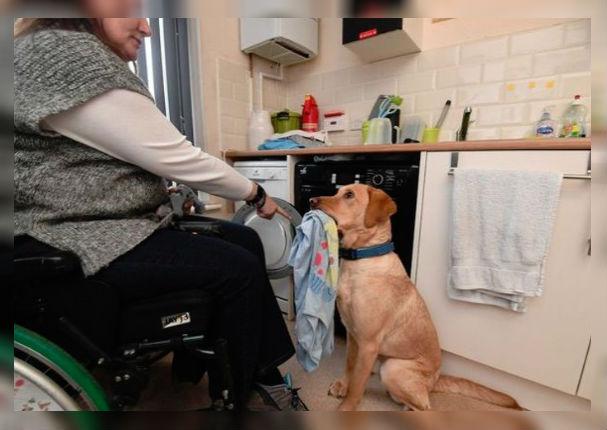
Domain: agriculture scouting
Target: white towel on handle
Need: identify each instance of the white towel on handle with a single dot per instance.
(501, 227)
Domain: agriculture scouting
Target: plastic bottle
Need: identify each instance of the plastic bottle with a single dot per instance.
(545, 126)
(260, 128)
(309, 114)
(572, 124)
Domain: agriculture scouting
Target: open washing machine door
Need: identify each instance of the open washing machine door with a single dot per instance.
(276, 235)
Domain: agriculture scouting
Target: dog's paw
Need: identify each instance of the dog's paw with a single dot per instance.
(338, 389)
(346, 406)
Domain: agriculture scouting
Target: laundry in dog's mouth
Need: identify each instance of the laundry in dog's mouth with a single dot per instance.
(327, 214)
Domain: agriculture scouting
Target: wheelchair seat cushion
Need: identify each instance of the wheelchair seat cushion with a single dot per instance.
(166, 316)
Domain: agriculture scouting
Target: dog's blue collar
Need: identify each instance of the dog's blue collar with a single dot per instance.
(370, 251)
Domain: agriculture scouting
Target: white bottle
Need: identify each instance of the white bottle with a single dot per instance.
(545, 126)
(573, 120)
(260, 128)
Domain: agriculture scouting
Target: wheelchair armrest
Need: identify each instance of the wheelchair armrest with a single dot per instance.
(200, 225)
(53, 264)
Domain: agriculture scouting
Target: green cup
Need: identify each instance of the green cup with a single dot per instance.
(430, 135)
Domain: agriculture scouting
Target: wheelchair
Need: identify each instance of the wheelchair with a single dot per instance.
(72, 337)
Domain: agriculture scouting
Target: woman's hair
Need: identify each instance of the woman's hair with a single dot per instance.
(27, 25)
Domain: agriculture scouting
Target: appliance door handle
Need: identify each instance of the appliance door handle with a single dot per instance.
(261, 176)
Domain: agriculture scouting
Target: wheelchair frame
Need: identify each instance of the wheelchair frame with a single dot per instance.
(36, 357)
(47, 354)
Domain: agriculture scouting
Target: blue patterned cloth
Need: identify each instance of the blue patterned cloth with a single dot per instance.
(315, 260)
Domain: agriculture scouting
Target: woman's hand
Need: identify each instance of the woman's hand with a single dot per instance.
(270, 208)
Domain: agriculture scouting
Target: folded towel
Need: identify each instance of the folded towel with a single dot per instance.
(283, 143)
(315, 259)
(501, 227)
(291, 142)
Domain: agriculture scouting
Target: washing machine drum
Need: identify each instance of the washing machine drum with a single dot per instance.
(276, 235)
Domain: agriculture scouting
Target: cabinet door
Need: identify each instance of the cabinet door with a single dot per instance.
(546, 344)
(588, 377)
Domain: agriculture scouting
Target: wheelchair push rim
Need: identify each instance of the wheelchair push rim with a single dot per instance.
(56, 359)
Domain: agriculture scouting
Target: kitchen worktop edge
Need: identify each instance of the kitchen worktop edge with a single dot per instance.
(477, 145)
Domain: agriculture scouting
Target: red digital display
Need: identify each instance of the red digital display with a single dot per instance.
(367, 33)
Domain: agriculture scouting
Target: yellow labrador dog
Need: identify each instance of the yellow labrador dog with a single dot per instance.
(385, 316)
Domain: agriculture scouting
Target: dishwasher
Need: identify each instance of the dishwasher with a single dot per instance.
(276, 235)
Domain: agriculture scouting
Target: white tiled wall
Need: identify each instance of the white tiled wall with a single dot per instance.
(234, 90)
(507, 80)
(274, 94)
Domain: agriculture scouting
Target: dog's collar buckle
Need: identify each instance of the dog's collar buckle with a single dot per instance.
(370, 251)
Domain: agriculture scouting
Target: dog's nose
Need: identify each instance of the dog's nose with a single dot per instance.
(314, 202)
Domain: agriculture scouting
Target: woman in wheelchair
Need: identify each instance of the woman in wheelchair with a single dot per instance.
(92, 153)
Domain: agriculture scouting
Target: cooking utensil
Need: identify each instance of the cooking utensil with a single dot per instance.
(443, 114)
(376, 106)
(389, 106)
(463, 130)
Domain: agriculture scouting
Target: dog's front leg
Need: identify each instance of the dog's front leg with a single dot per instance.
(365, 358)
(339, 387)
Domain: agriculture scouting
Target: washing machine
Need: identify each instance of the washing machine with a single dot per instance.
(277, 234)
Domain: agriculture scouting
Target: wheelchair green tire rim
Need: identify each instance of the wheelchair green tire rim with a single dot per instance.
(89, 387)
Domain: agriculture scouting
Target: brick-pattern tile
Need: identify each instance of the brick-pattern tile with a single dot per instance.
(508, 80)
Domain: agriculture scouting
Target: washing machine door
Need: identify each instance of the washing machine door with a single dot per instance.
(276, 235)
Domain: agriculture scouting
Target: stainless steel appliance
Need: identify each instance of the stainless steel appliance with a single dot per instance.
(277, 234)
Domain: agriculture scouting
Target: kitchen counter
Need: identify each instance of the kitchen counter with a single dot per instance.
(477, 145)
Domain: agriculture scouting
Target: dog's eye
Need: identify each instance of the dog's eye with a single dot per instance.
(348, 195)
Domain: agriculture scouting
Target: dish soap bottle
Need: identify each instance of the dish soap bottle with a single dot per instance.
(573, 119)
(545, 126)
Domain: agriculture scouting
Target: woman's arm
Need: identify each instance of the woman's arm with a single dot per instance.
(128, 126)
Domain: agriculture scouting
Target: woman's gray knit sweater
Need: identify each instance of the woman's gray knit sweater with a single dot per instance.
(68, 195)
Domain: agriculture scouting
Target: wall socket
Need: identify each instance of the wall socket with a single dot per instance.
(356, 123)
(335, 123)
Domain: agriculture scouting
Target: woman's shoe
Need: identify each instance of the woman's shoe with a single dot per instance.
(281, 397)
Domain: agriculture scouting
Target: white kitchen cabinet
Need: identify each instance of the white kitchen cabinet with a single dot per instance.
(588, 377)
(548, 343)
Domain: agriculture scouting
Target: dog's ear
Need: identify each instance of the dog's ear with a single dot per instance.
(380, 207)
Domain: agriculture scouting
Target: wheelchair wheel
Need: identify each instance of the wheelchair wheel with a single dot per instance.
(48, 378)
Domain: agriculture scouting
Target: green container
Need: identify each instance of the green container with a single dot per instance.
(286, 120)
(365, 130)
(430, 135)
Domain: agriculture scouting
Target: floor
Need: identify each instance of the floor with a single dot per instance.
(163, 394)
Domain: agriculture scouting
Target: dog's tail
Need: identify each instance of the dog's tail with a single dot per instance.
(453, 384)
